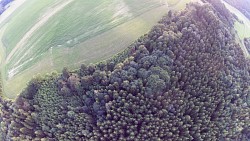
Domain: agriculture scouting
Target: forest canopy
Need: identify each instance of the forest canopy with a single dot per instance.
(187, 79)
(247, 44)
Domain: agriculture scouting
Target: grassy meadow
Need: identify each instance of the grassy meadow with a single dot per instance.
(242, 28)
(23, 20)
(81, 32)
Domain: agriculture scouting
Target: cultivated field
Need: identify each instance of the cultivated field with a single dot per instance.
(71, 32)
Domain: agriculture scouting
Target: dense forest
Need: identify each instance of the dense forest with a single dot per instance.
(187, 79)
(247, 44)
(242, 5)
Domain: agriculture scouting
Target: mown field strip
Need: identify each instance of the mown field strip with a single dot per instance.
(38, 25)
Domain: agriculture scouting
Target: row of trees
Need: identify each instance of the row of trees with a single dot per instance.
(186, 79)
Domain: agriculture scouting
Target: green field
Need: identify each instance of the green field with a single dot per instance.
(173, 2)
(65, 30)
(81, 32)
(242, 28)
(23, 20)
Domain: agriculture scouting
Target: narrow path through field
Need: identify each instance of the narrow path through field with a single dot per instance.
(39, 24)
